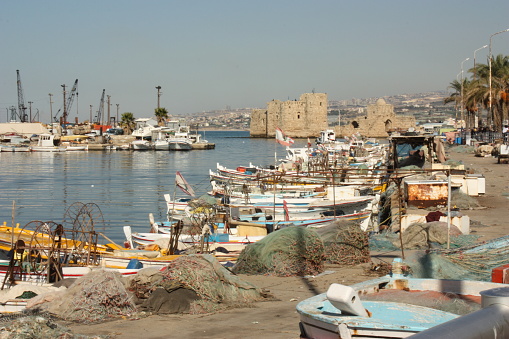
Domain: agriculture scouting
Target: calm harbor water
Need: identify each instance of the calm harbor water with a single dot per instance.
(126, 185)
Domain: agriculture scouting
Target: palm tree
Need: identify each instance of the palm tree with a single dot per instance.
(499, 87)
(455, 96)
(127, 122)
(477, 92)
(161, 114)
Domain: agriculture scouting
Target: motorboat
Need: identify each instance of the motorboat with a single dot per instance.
(46, 143)
(180, 144)
(142, 145)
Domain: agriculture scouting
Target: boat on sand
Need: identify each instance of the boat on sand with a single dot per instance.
(341, 313)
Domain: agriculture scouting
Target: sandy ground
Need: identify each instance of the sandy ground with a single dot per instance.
(278, 319)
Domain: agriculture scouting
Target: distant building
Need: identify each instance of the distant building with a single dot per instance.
(379, 121)
(301, 118)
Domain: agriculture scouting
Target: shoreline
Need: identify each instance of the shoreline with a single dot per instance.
(278, 319)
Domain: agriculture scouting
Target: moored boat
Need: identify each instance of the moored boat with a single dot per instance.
(341, 313)
(142, 145)
(179, 144)
(46, 143)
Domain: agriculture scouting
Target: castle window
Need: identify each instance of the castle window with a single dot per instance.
(355, 124)
(298, 116)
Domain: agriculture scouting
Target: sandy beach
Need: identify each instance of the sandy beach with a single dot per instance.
(278, 318)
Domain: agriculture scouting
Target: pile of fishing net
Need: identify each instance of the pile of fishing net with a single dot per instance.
(467, 263)
(26, 325)
(447, 302)
(425, 235)
(193, 284)
(95, 297)
(463, 201)
(463, 149)
(345, 243)
(437, 266)
(291, 251)
(389, 241)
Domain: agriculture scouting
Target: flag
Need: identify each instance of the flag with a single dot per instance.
(282, 138)
(183, 184)
(287, 213)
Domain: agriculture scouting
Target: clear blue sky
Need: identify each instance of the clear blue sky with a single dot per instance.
(211, 54)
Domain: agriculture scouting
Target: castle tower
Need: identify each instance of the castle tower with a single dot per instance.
(301, 118)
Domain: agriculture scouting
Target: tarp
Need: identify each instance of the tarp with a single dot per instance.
(25, 128)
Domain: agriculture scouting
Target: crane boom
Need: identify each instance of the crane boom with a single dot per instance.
(21, 101)
(101, 108)
(67, 103)
(70, 99)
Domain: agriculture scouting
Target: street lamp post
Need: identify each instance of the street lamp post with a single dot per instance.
(462, 105)
(30, 107)
(50, 108)
(475, 78)
(489, 61)
(117, 114)
(158, 95)
(456, 104)
(474, 57)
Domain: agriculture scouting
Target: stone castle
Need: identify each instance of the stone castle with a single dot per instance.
(377, 123)
(307, 117)
(301, 118)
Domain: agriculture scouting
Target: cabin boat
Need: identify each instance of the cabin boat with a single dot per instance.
(46, 143)
(179, 144)
(144, 127)
(142, 145)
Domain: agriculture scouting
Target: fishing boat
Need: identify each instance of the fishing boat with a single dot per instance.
(142, 145)
(76, 148)
(212, 240)
(46, 143)
(67, 272)
(15, 148)
(47, 251)
(356, 312)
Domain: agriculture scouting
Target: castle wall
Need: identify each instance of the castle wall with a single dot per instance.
(377, 123)
(301, 118)
(258, 125)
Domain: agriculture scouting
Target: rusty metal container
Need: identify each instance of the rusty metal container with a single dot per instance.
(426, 193)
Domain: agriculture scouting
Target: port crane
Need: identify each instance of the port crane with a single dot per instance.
(101, 109)
(23, 117)
(68, 102)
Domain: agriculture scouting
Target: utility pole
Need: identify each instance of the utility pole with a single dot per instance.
(50, 107)
(109, 105)
(64, 116)
(90, 121)
(158, 95)
(117, 115)
(30, 110)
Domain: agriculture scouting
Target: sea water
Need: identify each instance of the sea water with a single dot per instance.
(125, 185)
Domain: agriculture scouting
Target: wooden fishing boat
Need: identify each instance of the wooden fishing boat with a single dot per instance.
(341, 313)
(46, 143)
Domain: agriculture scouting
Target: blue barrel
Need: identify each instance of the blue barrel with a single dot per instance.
(134, 264)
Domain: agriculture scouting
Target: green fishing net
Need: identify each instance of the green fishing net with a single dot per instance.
(291, 251)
